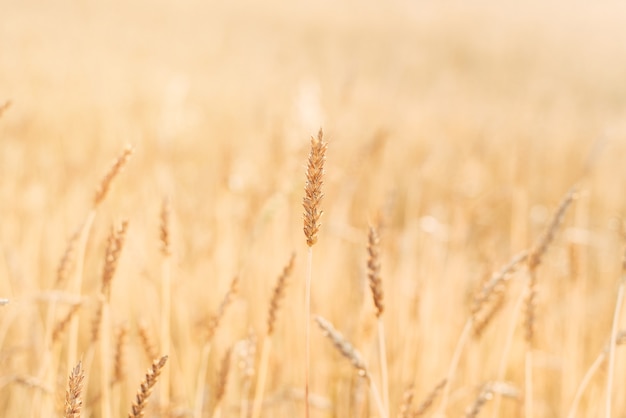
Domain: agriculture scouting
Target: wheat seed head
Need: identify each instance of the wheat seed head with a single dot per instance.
(313, 188)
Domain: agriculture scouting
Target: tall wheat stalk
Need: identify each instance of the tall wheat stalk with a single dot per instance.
(101, 192)
(166, 300)
(115, 243)
(613, 341)
(312, 213)
(535, 257)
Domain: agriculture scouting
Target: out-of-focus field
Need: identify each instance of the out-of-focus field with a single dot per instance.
(463, 123)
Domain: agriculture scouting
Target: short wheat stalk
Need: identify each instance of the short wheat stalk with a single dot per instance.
(376, 285)
(349, 352)
(312, 213)
(279, 290)
(213, 325)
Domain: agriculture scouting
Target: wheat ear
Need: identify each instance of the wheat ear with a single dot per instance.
(145, 389)
(279, 290)
(348, 351)
(312, 213)
(376, 285)
(147, 340)
(222, 382)
(115, 243)
(166, 298)
(73, 401)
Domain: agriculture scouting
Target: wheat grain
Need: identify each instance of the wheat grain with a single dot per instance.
(145, 389)
(73, 401)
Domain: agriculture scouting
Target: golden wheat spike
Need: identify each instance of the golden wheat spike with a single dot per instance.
(73, 401)
(145, 389)
(279, 290)
(313, 188)
(116, 168)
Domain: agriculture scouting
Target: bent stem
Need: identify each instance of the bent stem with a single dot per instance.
(453, 366)
(585, 382)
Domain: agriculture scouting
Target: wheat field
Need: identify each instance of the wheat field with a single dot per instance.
(156, 167)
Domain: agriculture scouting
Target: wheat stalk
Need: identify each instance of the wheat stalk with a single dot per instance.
(620, 340)
(312, 212)
(277, 294)
(166, 297)
(535, 256)
(115, 243)
(212, 327)
(376, 285)
(349, 352)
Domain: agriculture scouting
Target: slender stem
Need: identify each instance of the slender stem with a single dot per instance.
(453, 365)
(612, 343)
(528, 390)
(383, 362)
(166, 303)
(585, 382)
(507, 349)
(307, 331)
(200, 383)
(377, 399)
(76, 287)
(105, 361)
(260, 386)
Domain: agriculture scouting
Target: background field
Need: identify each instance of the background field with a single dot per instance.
(464, 124)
